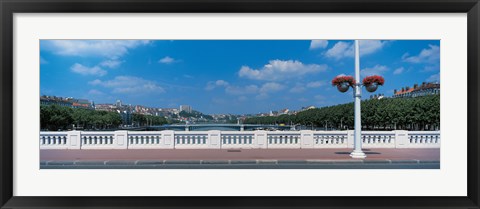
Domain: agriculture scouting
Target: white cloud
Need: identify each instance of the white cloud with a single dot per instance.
(242, 98)
(398, 71)
(271, 87)
(277, 70)
(95, 82)
(434, 78)
(213, 84)
(266, 88)
(316, 84)
(320, 100)
(297, 89)
(86, 48)
(221, 101)
(95, 92)
(129, 84)
(83, 70)
(428, 55)
(262, 91)
(43, 61)
(434, 67)
(167, 60)
(376, 70)
(111, 63)
(318, 44)
(303, 99)
(221, 83)
(241, 90)
(340, 50)
(346, 49)
(262, 96)
(371, 46)
(319, 97)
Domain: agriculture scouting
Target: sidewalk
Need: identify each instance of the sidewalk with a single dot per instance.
(310, 155)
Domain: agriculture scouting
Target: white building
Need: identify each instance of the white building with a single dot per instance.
(186, 108)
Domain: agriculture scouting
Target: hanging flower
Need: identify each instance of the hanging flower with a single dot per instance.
(369, 80)
(343, 79)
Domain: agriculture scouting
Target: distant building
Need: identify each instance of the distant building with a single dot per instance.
(307, 108)
(284, 111)
(106, 107)
(417, 91)
(119, 103)
(66, 102)
(53, 100)
(126, 117)
(273, 113)
(186, 108)
(377, 96)
(81, 103)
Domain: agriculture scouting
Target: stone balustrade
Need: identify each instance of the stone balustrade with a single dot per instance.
(236, 139)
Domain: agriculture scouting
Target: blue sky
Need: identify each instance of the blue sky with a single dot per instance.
(228, 76)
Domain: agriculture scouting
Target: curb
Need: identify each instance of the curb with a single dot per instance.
(228, 162)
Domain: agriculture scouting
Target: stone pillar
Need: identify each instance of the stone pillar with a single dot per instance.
(261, 139)
(214, 139)
(120, 140)
(401, 139)
(168, 139)
(74, 140)
(306, 139)
(350, 138)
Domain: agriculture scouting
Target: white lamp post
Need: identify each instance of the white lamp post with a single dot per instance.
(371, 84)
(357, 93)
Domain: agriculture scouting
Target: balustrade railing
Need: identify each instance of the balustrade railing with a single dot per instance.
(236, 139)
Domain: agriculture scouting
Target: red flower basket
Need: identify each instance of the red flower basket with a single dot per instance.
(343, 79)
(343, 83)
(369, 80)
(371, 83)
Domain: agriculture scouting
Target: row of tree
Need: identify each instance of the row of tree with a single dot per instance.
(195, 114)
(55, 117)
(419, 113)
(148, 120)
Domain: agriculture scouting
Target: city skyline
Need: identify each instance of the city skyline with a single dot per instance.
(236, 77)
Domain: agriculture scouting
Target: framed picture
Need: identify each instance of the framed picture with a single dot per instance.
(239, 104)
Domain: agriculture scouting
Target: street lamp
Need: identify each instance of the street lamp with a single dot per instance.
(371, 83)
(357, 151)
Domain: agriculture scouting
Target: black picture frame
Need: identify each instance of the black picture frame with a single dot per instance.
(10, 7)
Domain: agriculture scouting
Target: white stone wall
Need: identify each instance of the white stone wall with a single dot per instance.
(285, 140)
(332, 139)
(304, 139)
(54, 140)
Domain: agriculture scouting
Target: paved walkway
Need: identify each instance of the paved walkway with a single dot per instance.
(238, 154)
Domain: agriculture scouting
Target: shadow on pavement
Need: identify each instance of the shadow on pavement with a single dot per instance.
(368, 153)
